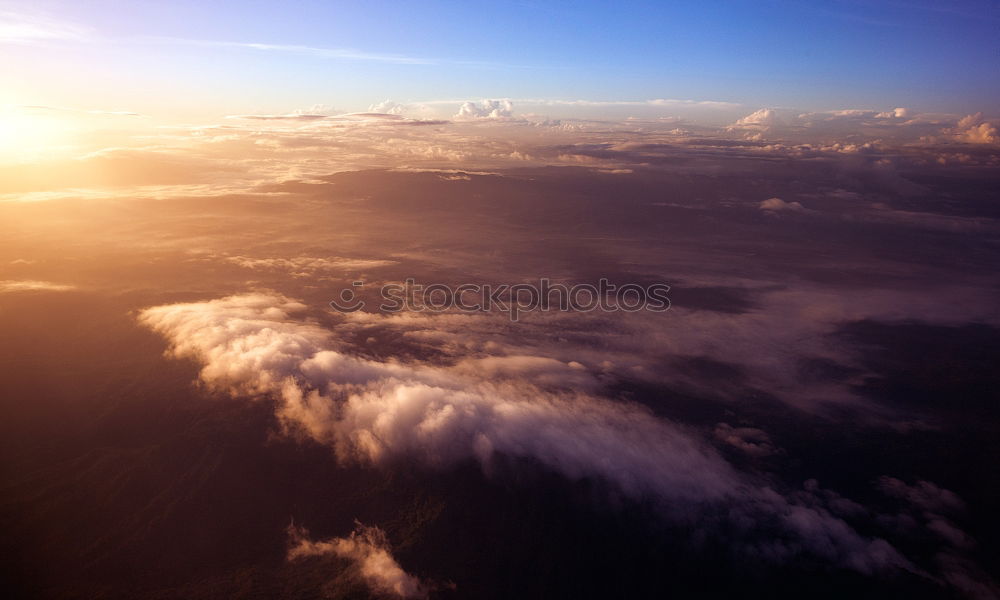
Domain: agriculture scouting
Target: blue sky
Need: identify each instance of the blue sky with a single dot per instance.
(189, 57)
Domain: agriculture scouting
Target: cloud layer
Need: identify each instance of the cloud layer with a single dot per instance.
(374, 412)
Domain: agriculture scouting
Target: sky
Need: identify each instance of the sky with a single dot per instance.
(193, 60)
(189, 189)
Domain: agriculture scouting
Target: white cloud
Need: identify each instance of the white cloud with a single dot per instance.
(765, 117)
(368, 548)
(846, 126)
(387, 107)
(377, 411)
(373, 412)
(488, 109)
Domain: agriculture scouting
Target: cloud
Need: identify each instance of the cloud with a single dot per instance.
(26, 285)
(762, 335)
(488, 109)
(368, 548)
(387, 107)
(538, 109)
(287, 117)
(968, 577)
(975, 130)
(251, 149)
(857, 127)
(896, 113)
(343, 54)
(306, 265)
(543, 371)
(61, 109)
(765, 117)
(926, 220)
(752, 441)
(779, 205)
(928, 508)
(376, 412)
(327, 53)
(22, 28)
(373, 412)
(923, 494)
(361, 118)
(667, 102)
(119, 166)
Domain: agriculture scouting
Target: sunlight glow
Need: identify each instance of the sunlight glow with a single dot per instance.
(26, 137)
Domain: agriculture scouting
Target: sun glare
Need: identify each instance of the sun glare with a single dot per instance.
(25, 138)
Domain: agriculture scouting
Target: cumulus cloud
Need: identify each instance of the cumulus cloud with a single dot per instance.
(975, 130)
(778, 205)
(857, 127)
(765, 117)
(373, 412)
(488, 109)
(368, 548)
(387, 107)
(896, 113)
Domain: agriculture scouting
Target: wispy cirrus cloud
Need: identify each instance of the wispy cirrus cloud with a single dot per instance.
(307, 265)
(33, 286)
(285, 117)
(343, 54)
(346, 54)
(29, 28)
(329, 53)
(77, 111)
